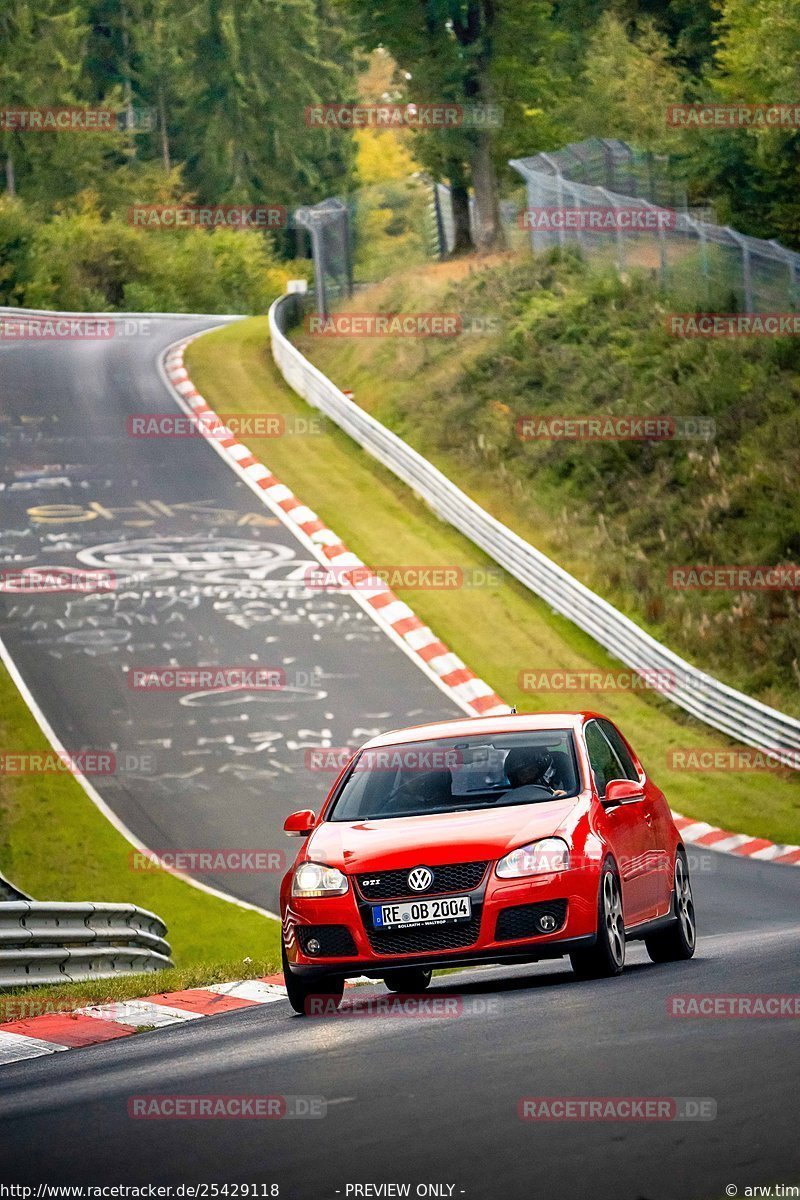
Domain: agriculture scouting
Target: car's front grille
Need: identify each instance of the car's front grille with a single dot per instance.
(336, 941)
(393, 885)
(426, 937)
(524, 920)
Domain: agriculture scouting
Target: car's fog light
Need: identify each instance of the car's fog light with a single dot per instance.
(547, 923)
(313, 946)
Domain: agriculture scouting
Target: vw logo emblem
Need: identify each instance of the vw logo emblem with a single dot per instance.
(420, 879)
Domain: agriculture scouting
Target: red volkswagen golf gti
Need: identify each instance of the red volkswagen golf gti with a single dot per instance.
(483, 840)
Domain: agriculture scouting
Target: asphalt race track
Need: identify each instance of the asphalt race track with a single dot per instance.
(434, 1100)
(407, 1100)
(205, 575)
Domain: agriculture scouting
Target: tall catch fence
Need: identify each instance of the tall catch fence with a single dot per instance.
(328, 227)
(613, 195)
(616, 204)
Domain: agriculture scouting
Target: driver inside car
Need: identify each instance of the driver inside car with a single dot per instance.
(535, 768)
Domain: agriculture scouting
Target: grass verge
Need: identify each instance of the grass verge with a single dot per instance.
(56, 845)
(64, 997)
(498, 630)
(565, 338)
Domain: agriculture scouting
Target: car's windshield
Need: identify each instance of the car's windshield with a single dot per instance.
(458, 775)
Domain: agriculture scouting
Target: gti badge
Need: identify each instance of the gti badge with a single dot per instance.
(420, 879)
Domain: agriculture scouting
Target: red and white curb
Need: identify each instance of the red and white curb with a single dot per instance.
(743, 845)
(49, 1032)
(472, 694)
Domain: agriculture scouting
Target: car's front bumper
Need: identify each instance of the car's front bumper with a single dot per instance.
(490, 937)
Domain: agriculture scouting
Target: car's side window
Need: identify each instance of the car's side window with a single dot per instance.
(621, 750)
(604, 762)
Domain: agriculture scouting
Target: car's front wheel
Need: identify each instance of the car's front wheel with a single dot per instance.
(409, 980)
(607, 956)
(676, 943)
(312, 995)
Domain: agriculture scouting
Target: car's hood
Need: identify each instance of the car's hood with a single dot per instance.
(437, 839)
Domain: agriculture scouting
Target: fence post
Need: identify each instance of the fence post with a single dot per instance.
(700, 232)
(559, 192)
(316, 220)
(437, 214)
(792, 261)
(663, 262)
(747, 276)
(576, 204)
(610, 197)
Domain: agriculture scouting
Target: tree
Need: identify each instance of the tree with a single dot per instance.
(43, 47)
(448, 49)
(256, 67)
(628, 84)
(756, 172)
(687, 25)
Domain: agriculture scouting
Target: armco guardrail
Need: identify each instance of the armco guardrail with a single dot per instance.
(43, 943)
(712, 702)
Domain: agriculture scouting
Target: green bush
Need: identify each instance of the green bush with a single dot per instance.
(82, 262)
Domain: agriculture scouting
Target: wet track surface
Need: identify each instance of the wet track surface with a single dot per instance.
(204, 575)
(408, 1099)
(419, 1100)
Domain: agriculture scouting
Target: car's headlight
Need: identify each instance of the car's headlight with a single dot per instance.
(537, 858)
(315, 879)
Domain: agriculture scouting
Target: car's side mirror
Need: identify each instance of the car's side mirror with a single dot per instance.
(301, 823)
(622, 791)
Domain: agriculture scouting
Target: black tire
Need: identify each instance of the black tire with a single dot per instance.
(606, 957)
(410, 980)
(677, 942)
(312, 995)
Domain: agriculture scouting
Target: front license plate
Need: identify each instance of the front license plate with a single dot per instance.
(422, 912)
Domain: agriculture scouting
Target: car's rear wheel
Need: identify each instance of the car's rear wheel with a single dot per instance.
(607, 956)
(676, 943)
(408, 980)
(312, 995)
